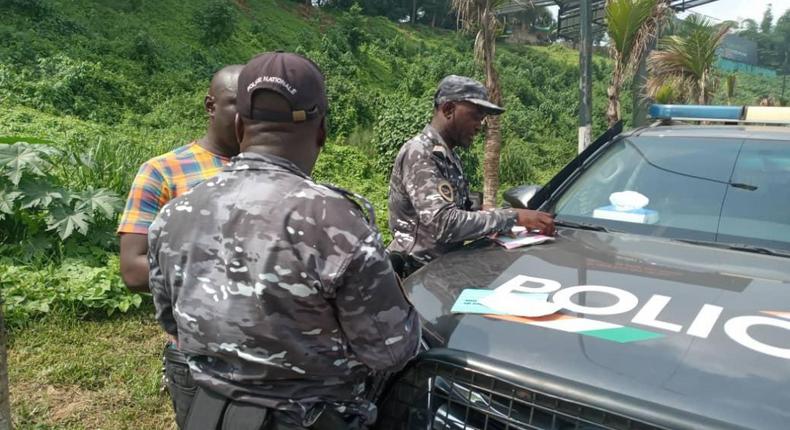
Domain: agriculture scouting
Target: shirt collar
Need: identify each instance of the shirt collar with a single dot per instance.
(434, 135)
(197, 147)
(437, 139)
(257, 161)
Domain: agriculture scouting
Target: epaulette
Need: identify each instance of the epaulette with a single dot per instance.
(360, 202)
(440, 149)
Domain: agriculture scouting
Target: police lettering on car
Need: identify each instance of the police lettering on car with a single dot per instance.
(648, 314)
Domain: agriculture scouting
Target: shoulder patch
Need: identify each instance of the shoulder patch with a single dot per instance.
(445, 189)
(360, 202)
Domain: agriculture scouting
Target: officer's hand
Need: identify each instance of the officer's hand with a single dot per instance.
(534, 220)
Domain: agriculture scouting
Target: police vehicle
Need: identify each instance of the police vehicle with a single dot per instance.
(662, 303)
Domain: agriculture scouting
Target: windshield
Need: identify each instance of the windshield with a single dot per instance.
(708, 189)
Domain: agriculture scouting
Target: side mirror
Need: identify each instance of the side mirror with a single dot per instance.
(518, 197)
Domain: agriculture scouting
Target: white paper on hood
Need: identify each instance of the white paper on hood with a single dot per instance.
(521, 304)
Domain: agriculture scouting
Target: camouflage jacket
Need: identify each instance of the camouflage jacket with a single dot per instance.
(278, 289)
(429, 201)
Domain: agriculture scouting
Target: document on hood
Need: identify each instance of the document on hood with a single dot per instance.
(480, 301)
(510, 242)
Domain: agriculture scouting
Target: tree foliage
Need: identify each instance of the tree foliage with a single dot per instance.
(768, 20)
(393, 9)
(631, 25)
(216, 21)
(436, 13)
(773, 40)
(686, 61)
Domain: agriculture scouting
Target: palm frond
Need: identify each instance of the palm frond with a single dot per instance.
(631, 26)
(666, 94)
(687, 60)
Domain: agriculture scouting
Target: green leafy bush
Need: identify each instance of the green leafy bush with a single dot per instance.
(34, 204)
(400, 119)
(350, 107)
(71, 286)
(145, 50)
(352, 26)
(37, 9)
(21, 48)
(82, 88)
(215, 21)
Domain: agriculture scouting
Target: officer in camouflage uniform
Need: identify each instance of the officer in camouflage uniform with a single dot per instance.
(277, 288)
(430, 212)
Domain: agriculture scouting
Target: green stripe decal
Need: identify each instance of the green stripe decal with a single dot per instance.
(623, 334)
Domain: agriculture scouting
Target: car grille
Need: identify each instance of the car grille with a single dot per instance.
(435, 395)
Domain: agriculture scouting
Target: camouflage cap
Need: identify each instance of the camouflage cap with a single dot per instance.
(461, 88)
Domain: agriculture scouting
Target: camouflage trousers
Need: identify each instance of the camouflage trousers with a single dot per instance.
(177, 380)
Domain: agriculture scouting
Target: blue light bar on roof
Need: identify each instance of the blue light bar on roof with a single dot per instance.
(696, 112)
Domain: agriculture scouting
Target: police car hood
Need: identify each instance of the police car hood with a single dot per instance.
(709, 333)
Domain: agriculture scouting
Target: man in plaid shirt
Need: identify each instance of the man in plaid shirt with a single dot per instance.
(164, 178)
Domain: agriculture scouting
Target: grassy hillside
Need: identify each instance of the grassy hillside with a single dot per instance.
(132, 77)
(113, 83)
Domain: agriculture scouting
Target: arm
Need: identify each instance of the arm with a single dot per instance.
(158, 282)
(381, 326)
(148, 193)
(445, 221)
(134, 261)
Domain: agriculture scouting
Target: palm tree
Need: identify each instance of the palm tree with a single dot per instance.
(5, 403)
(686, 60)
(480, 16)
(631, 26)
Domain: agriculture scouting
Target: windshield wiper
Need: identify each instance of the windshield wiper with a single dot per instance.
(738, 247)
(580, 225)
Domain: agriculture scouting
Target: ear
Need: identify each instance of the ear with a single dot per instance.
(321, 139)
(447, 109)
(239, 126)
(208, 104)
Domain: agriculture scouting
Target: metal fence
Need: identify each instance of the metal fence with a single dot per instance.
(734, 66)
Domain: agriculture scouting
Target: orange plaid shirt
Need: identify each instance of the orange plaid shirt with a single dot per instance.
(164, 178)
